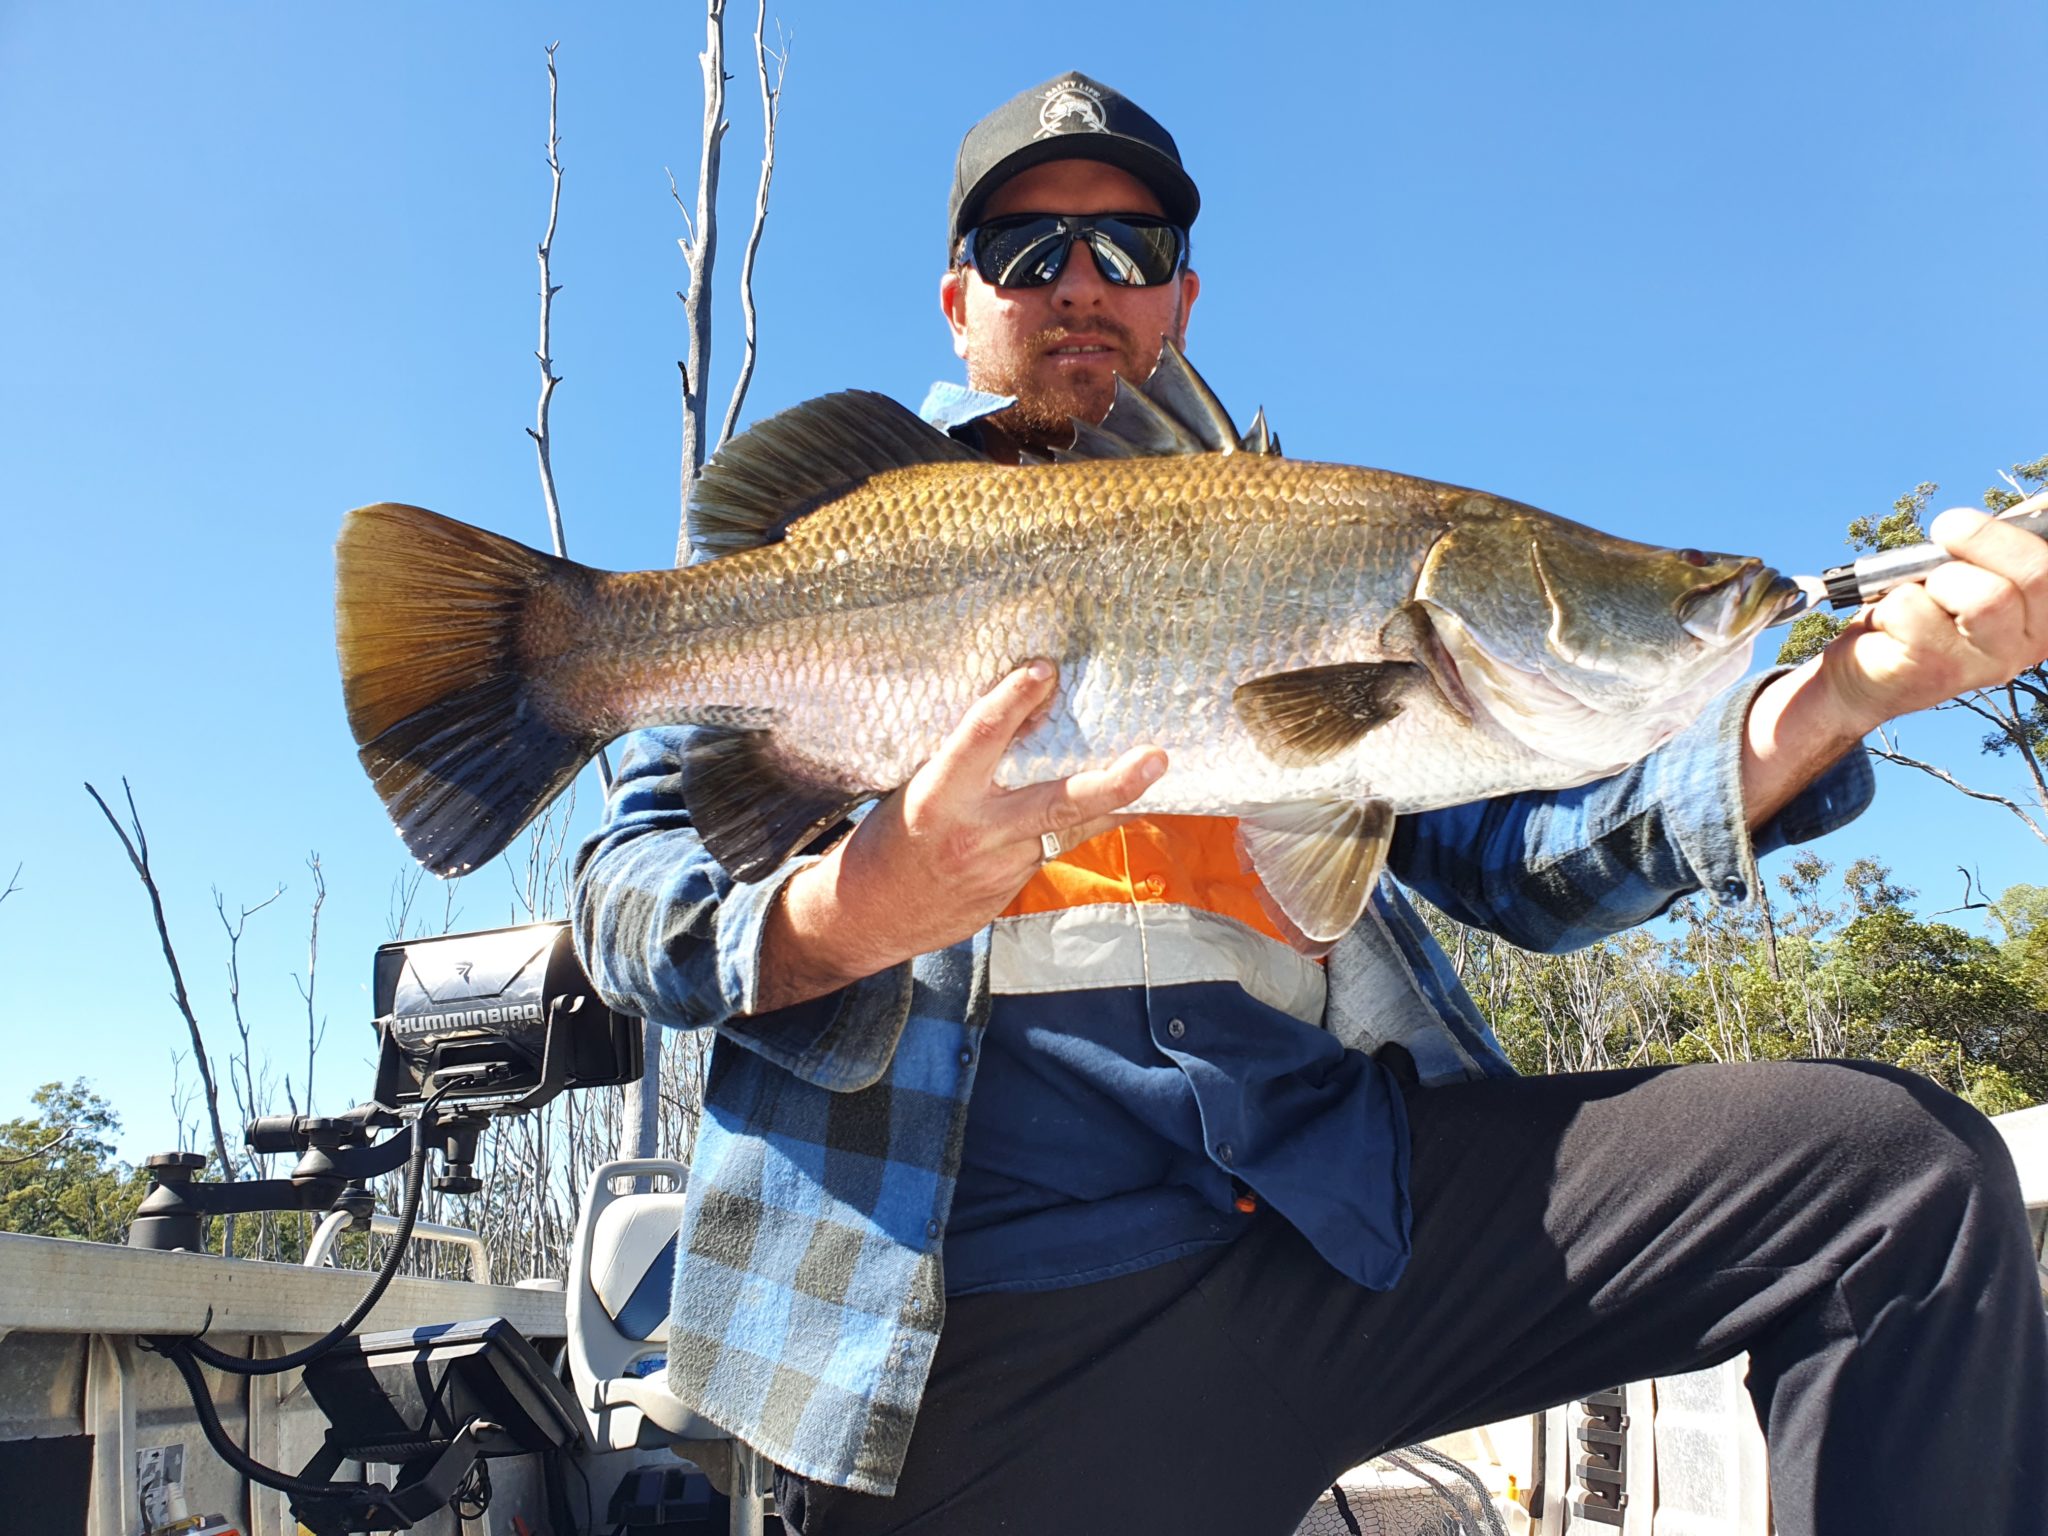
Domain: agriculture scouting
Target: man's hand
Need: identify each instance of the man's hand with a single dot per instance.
(937, 860)
(1973, 623)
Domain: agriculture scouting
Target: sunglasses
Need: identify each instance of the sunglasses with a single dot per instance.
(1029, 250)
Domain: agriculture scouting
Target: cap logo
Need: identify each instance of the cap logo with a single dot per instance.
(1071, 107)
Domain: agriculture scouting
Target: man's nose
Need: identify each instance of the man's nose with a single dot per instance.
(1080, 280)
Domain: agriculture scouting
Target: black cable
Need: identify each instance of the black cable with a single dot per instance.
(241, 1365)
(472, 1495)
(178, 1352)
(185, 1353)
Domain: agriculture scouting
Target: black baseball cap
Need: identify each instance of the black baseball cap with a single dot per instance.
(1070, 117)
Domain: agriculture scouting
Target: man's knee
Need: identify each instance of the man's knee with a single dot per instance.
(1903, 1140)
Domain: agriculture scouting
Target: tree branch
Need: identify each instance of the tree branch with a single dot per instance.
(1888, 754)
(771, 100)
(43, 1151)
(137, 849)
(2023, 741)
(13, 883)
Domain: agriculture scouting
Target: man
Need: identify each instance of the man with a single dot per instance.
(1043, 1185)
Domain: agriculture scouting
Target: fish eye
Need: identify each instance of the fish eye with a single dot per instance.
(1693, 557)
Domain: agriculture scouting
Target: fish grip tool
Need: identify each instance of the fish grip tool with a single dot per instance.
(1866, 580)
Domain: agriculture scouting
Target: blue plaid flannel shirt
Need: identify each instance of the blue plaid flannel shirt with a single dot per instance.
(808, 1289)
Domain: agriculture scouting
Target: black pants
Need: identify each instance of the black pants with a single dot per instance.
(1856, 1229)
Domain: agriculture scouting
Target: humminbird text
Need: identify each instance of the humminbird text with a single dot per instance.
(468, 1018)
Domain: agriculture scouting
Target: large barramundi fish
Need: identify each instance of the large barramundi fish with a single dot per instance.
(1319, 648)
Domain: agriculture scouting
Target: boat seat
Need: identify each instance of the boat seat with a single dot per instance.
(621, 1274)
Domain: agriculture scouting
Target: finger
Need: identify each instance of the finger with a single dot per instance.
(1989, 544)
(1069, 803)
(967, 759)
(1989, 612)
(1088, 831)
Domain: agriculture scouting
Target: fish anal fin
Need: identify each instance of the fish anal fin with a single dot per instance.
(749, 808)
(1303, 717)
(1317, 861)
(754, 487)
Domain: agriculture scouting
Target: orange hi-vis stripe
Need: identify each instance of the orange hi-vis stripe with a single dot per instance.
(1191, 861)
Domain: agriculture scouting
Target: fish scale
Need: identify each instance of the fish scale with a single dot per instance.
(1318, 647)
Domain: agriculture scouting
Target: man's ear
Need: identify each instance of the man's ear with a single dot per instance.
(953, 300)
(1190, 286)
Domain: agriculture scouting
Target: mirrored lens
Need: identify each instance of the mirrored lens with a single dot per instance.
(1027, 255)
(1130, 252)
(1030, 250)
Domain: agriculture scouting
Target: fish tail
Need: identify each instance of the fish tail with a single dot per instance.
(428, 616)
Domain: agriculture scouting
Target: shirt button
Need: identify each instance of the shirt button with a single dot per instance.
(1176, 1028)
(966, 1056)
(931, 1229)
(1225, 1152)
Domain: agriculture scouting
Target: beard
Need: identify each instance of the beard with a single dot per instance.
(1043, 414)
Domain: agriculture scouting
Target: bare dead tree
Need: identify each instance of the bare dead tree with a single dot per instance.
(243, 1061)
(137, 848)
(548, 289)
(316, 1027)
(771, 103)
(548, 377)
(699, 244)
(250, 1095)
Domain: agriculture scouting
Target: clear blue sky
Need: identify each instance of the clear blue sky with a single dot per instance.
(1725, 275)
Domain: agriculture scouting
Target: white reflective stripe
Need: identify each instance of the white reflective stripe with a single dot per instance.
(1122, 944)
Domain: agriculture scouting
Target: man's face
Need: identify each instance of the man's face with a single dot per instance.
(1059, 348)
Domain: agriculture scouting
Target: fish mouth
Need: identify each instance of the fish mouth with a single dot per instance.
(1753, 598)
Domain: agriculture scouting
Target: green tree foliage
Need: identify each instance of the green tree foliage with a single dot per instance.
(1854, 974)
(58, 1173)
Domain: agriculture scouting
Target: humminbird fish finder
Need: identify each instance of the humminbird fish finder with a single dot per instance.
(504, 1020)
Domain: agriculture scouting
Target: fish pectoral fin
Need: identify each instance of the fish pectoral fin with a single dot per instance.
(751, 811)
(1318, 860)
(1300, 718)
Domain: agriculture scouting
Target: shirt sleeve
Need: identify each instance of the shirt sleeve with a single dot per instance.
(1557, 871)
(666, 934)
